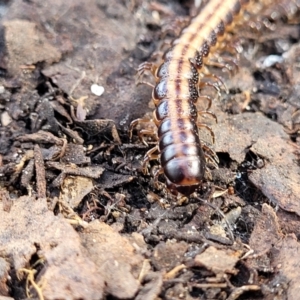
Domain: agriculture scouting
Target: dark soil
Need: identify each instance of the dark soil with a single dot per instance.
(80, 220)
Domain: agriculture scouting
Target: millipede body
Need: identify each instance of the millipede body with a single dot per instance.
(178, 82)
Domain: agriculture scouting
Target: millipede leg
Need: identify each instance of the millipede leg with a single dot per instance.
(134, 123)
(211, 160)
(175, 27)
(208, 173)
(142, 133)
(207, 112)
(207, 98)
(150, 155)
(211, 153)
(166, 44)
(217, 79)
(226, 46)
(203, 84)
(145, 132)
(224, 63)
(146, 66)
(158, 172)
(231, 62)
(146, 83)
(159, 53)
(209, 129)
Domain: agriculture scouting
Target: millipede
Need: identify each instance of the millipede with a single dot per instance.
(179, 80)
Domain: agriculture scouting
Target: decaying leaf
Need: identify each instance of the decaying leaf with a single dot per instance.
(218, 261)
(74, 188)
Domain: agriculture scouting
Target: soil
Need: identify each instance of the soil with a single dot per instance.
(80, 220)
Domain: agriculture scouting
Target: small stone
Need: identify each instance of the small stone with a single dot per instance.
(97, 90)
(5, 119)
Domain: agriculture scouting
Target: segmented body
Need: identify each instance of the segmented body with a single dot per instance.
(176, 92)
(181, 155)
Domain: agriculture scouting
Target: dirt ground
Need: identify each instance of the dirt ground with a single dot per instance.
(79, 219)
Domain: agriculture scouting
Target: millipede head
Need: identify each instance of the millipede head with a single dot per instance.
(179, 189)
